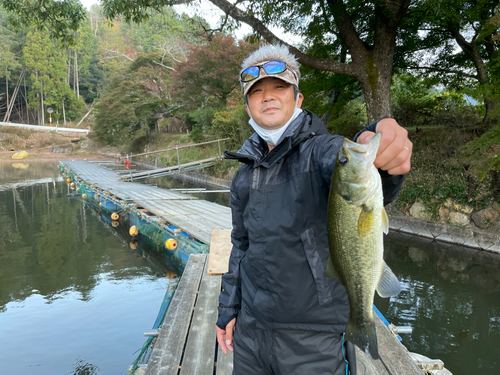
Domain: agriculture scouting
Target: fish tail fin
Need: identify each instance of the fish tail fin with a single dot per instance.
(388, 285)
(364, 338)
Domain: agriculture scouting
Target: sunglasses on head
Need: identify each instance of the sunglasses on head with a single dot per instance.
(271, 67)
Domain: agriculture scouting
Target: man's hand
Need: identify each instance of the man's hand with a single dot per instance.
(225, 337)
(395, 148)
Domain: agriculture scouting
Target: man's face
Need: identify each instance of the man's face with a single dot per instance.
(271, 102)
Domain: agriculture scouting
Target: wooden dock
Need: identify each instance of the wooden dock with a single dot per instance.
(195, 216)
(186, 344)
(187, 341)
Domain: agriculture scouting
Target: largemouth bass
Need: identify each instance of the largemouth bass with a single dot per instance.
(356, 223)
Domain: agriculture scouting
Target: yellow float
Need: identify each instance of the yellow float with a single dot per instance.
(72, 185)
(68, 180)
(171, 244)
(115, 216)
(84, 197)
(115, 223)
(133, 231)
(20, 155)
(171, 274)
(133, 244)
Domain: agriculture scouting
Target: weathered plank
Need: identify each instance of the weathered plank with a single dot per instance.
(220, 249)
(199, 355)
(167, 352)
(224, 362)
(394, 357)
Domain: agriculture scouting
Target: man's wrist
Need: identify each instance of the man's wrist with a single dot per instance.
(223, 320)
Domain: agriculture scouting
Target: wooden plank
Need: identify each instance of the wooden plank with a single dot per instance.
(167, 352)
(224, 362)
(394, 357)
(220, 249)
(199, 356)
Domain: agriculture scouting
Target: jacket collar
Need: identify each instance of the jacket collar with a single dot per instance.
(255, 151)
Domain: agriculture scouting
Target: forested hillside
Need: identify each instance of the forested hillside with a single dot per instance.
(434, 66)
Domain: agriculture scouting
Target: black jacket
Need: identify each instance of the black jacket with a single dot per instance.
(279, 203)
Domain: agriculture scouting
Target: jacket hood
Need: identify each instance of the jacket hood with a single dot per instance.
(255, 150)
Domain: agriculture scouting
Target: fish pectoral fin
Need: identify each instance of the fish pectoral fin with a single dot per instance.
(365, 222)
(385, 221)
(389, 285)
(330, 270)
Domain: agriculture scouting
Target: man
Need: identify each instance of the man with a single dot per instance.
(287, 318)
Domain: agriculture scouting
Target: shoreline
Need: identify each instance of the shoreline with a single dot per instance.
(463, 235)
(47, 156)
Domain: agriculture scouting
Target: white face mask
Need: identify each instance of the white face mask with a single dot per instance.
(273, 136)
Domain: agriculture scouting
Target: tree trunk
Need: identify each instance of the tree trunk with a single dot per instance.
(64, 112)
(69, 72)
(26, 101)
(7, 87)
(77, 87)
(41, 102)
(471, 50)
(13, 98)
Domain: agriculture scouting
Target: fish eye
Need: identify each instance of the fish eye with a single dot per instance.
(343, 160)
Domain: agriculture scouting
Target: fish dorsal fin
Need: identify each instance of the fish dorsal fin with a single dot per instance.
(365, 221)
(330, 270)
(389, 285)
(385, 221)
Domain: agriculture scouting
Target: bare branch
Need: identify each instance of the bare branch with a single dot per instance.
(168, 67)
(118, 53)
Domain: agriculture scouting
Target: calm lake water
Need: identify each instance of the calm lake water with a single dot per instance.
(74, 297)
(451, 298)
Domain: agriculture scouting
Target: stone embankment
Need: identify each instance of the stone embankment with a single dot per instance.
(457, 224)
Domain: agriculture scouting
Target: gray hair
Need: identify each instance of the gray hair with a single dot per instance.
(269, 53)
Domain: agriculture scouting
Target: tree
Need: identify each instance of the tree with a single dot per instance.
(8, 63)
(470, 25)
(208, 74)
(47, 64)
(367, 29)
(134, 102)
(62, 18)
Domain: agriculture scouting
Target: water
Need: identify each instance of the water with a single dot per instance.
(451, 298)
(74, 297)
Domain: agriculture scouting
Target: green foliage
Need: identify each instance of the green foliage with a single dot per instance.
(350, 121)
(483, 154)
(232, 123)
(61, 18)
(202, 127)
(45, 60)
(417, 103)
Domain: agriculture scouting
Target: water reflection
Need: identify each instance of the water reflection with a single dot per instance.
(451, 299)
(69, 282)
